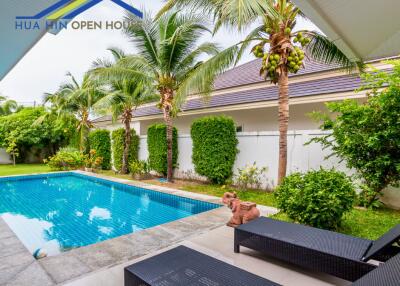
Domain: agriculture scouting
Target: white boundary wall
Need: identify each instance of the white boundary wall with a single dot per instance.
(4, 157)
(262, 148)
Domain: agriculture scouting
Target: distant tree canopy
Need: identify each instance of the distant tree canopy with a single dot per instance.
(35, 130)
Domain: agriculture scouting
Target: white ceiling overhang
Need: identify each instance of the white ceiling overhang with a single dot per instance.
(15, 43)
(362, 29)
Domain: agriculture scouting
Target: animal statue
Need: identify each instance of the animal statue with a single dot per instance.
(243, 212)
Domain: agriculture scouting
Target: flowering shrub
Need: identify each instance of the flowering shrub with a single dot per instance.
(250, 176)
(66, 159)
(92, 160)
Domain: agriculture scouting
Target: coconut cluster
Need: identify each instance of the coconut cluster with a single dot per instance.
(272, 61)
(295, 60)
(258, 51)
(300, 39)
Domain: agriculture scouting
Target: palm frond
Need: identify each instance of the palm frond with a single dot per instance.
(237, 13)
(144, 34)
(324, 50)
(201, 78)
(254, 35)
(179, 38)
(209, 49)
(117, 53)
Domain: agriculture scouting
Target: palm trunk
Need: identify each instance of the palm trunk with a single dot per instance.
(168, 122)
(283, 83)
(127, 142)
(167, 95)
(84, 125)
(84, 133)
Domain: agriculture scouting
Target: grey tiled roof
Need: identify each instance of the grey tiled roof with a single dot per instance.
(308, 88)
(249, 74)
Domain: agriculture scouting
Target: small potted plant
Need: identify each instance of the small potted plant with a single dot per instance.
(140, 170)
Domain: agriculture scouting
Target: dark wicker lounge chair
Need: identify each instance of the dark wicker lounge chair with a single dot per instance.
(183, 266)
(337, 254)
(387, 274)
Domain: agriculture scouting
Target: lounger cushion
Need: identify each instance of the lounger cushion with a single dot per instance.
(387, 274)
(313, 238)
(385, 240)
(183, 266)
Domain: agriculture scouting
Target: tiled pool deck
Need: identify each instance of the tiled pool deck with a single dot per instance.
(18, 267)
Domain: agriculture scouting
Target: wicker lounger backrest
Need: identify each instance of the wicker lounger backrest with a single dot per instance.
(387, 274)
(384, 241)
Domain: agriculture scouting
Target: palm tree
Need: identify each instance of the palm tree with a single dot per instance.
(78, 99)
(169, 62)
(124, 96)
(282, 49)
(8, 106)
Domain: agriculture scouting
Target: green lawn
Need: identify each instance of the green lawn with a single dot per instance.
(362, 223)
(368, 224)
(22, 169)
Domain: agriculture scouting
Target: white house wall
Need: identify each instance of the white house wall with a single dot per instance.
(259, 119)
(262, 148)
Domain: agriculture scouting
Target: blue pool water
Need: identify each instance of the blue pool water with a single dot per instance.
(57, 212)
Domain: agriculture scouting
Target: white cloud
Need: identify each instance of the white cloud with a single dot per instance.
(44, 67)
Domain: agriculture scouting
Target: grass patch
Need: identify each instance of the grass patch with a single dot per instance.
(23, 169)
(369, 224)
(259, 197)
(111, 173)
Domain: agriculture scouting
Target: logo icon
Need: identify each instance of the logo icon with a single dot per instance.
(68, 9)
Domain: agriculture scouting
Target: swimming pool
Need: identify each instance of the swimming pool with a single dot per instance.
(60, 211)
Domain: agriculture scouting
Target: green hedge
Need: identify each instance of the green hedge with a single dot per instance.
(157, 146)
(214, 147)
(118, 140)
(100, 141)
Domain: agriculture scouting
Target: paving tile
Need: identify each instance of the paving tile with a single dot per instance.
(94, 256)
(179, 229)
(11, 246)
(64, 267)
(20, 259)
(8, 274)
(33, 275)
(149, 240)
(5, 231)
(121, 249)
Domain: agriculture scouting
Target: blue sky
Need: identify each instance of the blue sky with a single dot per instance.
(44, 67)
